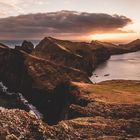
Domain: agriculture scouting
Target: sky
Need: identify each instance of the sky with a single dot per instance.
(105, 20)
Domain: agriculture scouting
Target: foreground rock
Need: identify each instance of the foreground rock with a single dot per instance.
(12, 68)
(16, 124)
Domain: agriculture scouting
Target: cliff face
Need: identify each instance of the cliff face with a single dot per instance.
(96, 113)
(54, 79)
(34, 77)
(19, 68)
(47, 75)
(132, 46)
(71, 54)
(121, 48)
(12, 69)
(81, 55)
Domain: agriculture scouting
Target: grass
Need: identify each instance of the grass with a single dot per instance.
(115, 92)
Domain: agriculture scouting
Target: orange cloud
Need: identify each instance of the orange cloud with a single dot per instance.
(70, 23)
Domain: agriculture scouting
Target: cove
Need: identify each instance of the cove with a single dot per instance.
(124, 66)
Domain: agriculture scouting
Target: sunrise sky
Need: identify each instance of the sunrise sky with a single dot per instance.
(105, 20)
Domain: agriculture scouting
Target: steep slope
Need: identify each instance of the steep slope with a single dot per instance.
(47, 75)
(112, 48)
(61, 91)
(12, 68)
(132, 46)
(121, 48)
(77, 55)
(35, 77)
(18, 67)
(92, 53)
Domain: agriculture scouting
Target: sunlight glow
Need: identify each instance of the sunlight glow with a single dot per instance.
(113, 36)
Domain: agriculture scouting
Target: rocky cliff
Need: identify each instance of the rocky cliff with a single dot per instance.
(78, 55)
(121, 48)
(36, 78)
(96, 113)
(54, 78)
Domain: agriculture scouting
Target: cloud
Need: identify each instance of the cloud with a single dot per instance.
(9, 8)
(60, 23)
(12, 2)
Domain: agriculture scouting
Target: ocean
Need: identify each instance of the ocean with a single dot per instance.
(124, 66)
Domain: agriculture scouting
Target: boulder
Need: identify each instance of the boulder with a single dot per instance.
(26, 46)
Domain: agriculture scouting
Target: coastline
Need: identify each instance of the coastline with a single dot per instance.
(54, 78)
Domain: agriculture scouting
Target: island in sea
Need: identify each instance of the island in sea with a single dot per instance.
(46, 92)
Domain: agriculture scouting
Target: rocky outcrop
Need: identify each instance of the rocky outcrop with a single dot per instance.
(26, 46)
(11, 100)
(19, 68)
(112, 48)
(78, 55)
(47, 75)
(54, 79)
(12, 70)
(99, 128)
(14, 125)
(119, 49)
(34, 77)
(17, 125)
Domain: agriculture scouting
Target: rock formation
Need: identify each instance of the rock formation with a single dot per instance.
(34, 77)
(121, 48)
(108, 110)
(71, 54)
(54, 78)
(26, 46)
